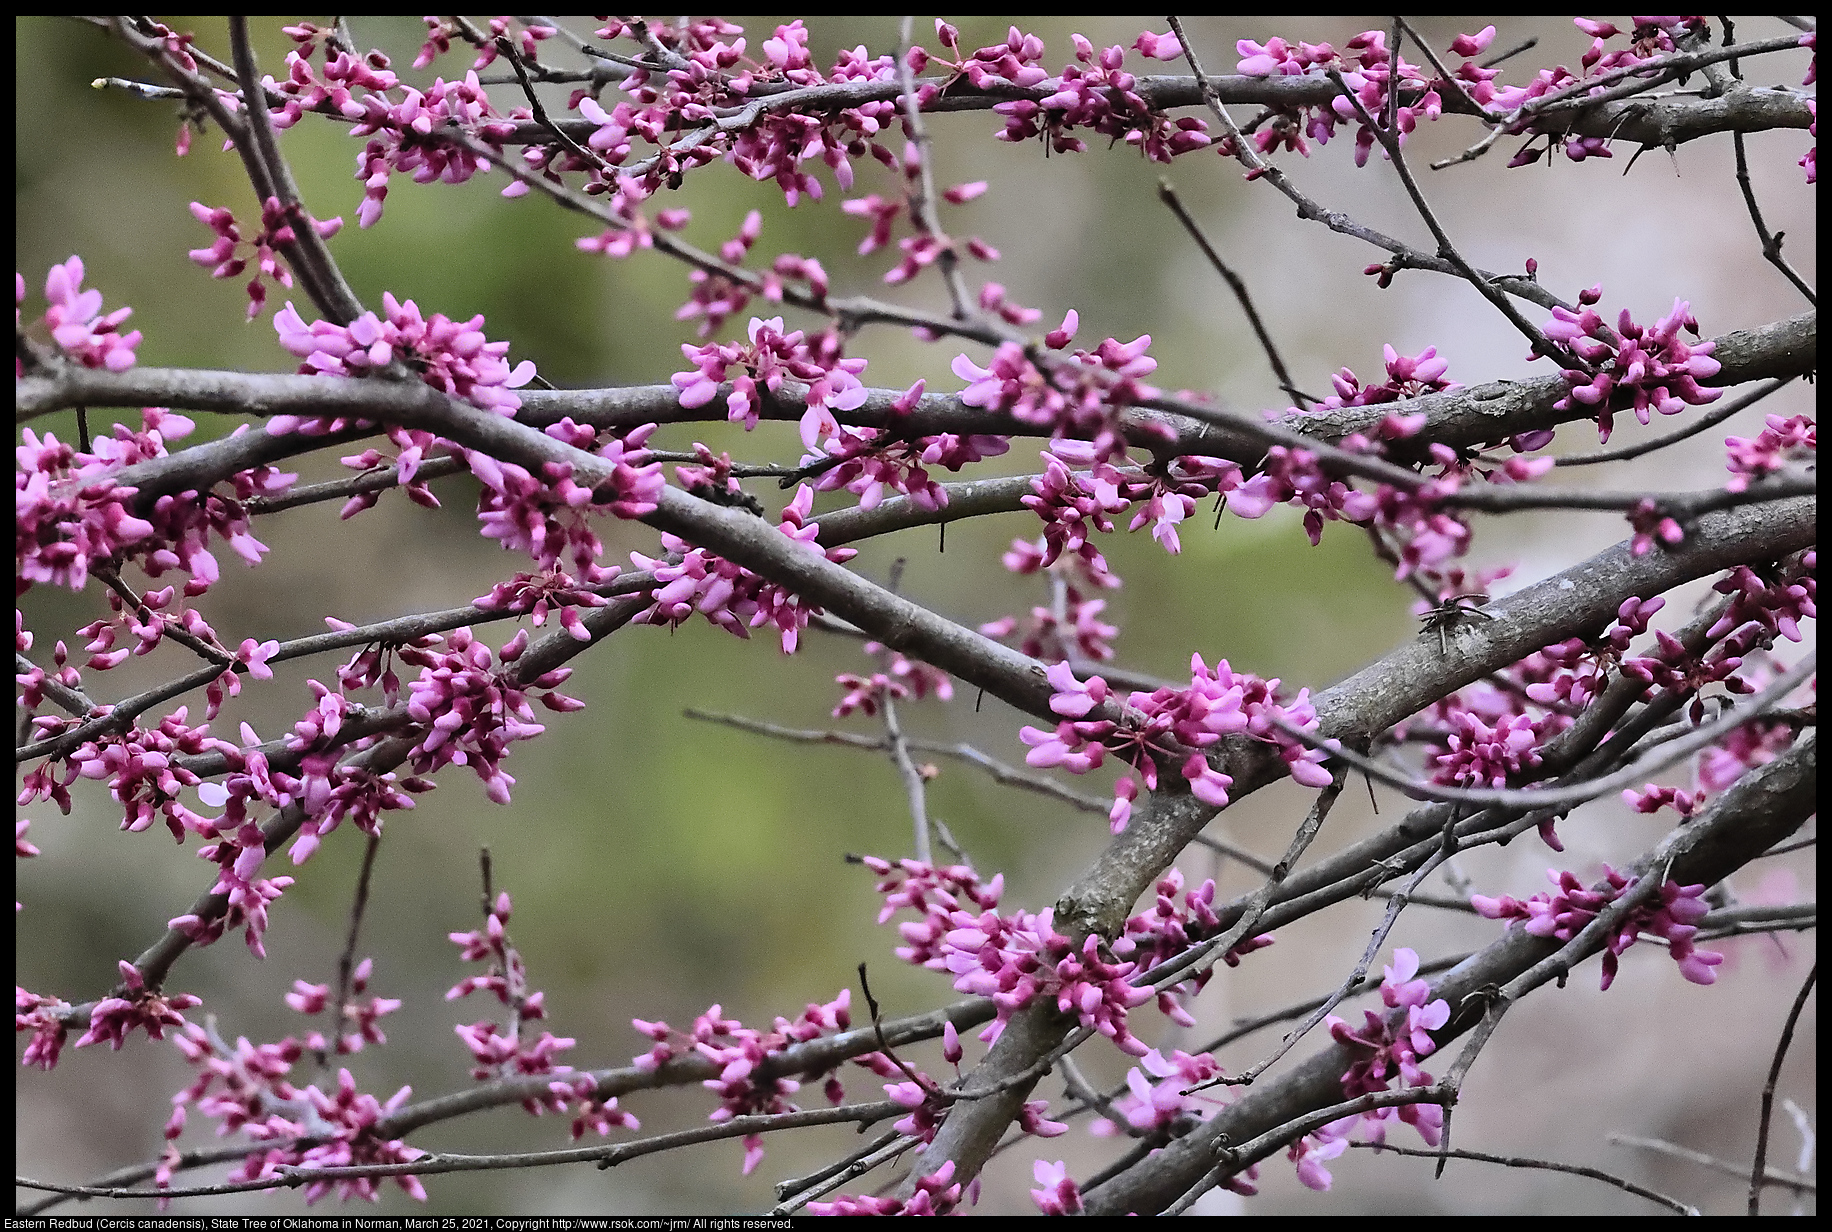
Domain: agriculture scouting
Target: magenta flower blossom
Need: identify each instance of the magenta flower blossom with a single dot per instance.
(397, 131)
(1013, 959)
(1634, 368)
(1168, 928)
(730, 595)
(1478, 755)
(76, 322)
(138, 1008)
(1156, 1105)
(1085, 397)
(936, 1194)
(874, 462)
(903, 677)
(471, 710)
(1653, 797)
(1781, 441)
(1097, 93)
(1058, 1194)
(1777, 606)
(546, 517)
(67, 513)
(1312, 1152)
(740, 1051)
(246, 1089)
(1080, 633)
(221, 257)
(1366, 66)
(43, 1017)
(1673, 916)
(1386, 1044)
(497, 1053)
(1173, 725)
(539, 594)
(451, 356)
(768, 359)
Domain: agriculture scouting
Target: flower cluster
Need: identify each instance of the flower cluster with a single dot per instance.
(451, 356)
(1632, 367)
(1481, 755)
(1174, 725)
(768, 359)
(44, 1017)
(1386, 1043)
(901, 677)
(1776, 604)
(1079, 633)
(872, 462)
(276, 230)
(238, 854)
(1012, 959)
(1169, 928)
(1408, 376)
(1654, 797)
(397, 142)
(1673, 916)
(1156, 1106)
(471, 710)
(1058, 1194)
(68, 514)
(742, 1053)
(548, 516)
(135, 1007)
(1367, 68)
(1071, 509)
(925, 248)
(704, 73)
(630, 230)
(536, 595)
(363, 1017)
(144, 770)
(501, 1053)
(245, 1088)
(76, 323)
(1097, 93)
(1763, 606)
(938, 1193)
(728, 594)
(1083, 398)
(1649, 38)
(1781, 441)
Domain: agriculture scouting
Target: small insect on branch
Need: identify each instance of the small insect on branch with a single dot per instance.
(1450, 611)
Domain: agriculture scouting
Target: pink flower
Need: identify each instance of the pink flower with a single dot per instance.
(1058, 1194)
(77, 325)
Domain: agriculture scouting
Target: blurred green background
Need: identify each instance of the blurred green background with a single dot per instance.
(659, 865)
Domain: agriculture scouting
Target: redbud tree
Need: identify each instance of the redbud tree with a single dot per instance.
(1305, 537)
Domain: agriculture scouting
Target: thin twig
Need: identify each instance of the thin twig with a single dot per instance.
(1405, 255)
(1484, 284)
(346, 961)
(1550, 1165)
(1771, 242)
(922, 208)
(1661, 1146)
(914, 787)
(1760, 1166)
(1167, 193)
